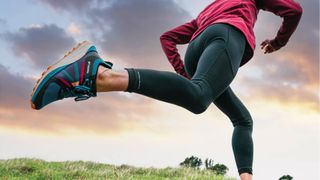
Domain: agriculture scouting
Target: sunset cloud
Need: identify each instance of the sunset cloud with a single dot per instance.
(74, 29)
(62, 5)
(110, 113)
(39, 44)
(130, 30)
(290, 75)
(14, 89)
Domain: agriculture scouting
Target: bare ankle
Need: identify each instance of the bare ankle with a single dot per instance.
(246, 176)
(110, 80)
(103, 73)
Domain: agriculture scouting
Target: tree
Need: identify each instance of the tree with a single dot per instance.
(196, 162)
(286, 177)
(208, 163)
(193, 162)
(220, 169)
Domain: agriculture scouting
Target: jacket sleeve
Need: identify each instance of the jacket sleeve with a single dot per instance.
(291, 13)
(179, 35)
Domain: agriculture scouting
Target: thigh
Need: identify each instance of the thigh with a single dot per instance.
(207, 44)
(223, 35)
(232, 107)
(215, 56)
(191, 58)
(214, 68)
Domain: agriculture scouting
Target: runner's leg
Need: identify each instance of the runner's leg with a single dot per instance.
(214, 72)
(241, 119)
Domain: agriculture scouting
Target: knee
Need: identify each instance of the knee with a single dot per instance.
(199, 98)
(199, 108)
(200, 104)
(244, 120)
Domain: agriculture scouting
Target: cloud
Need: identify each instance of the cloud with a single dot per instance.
(309, 21)
(40, 44)
(15, 89)
(3, 21)
(109, 113)
(285, 93)
(74, 29)
(77, 5)
(135, 29)
(130, 30)
(290, 75)
(3, 25)
(302, 50)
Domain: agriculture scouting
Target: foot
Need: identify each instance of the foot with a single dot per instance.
(73, 76)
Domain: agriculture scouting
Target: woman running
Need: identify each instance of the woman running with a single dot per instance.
(221, 39)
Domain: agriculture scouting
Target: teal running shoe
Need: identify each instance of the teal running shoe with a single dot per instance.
(72, 76)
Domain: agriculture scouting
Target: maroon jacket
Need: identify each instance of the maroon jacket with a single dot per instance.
(239, 13)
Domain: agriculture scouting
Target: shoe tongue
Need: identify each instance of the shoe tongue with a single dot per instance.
(107, 64)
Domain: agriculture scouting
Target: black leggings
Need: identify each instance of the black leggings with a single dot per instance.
(212, 60)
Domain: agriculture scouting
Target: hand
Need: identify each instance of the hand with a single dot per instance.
(267, 47)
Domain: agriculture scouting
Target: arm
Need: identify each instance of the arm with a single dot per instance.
(291, 13)
(169, 41)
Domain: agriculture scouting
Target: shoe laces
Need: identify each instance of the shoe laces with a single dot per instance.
(80, 92)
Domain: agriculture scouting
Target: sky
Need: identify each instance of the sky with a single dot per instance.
(281, 90)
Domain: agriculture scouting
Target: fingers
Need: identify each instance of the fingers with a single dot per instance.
(267, 47)
(263, 44)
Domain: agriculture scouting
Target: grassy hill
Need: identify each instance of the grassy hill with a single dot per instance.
(39, 169)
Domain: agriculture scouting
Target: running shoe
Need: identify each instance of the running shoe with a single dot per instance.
(72, 76)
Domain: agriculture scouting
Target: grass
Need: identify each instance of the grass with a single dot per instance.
(38, 169)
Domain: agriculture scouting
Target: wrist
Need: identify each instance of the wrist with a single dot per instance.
(275, 44)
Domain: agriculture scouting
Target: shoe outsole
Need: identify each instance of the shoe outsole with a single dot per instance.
(71, 56)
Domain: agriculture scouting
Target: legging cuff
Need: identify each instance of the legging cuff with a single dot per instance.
(134, 80)
(245, 170)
